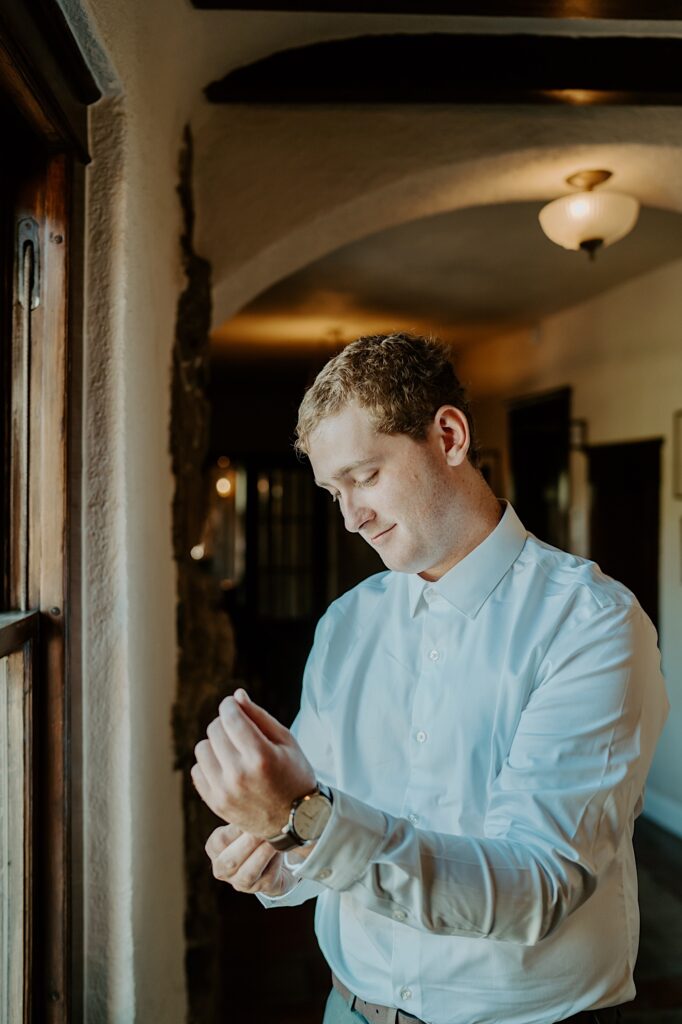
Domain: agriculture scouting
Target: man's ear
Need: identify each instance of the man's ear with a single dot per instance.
(453, 433)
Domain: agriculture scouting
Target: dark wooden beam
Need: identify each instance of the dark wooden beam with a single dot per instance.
(623, 10)
(43, 73)
(441, 68)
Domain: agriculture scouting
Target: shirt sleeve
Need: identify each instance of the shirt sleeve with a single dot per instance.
(570, 785)
(315, 744)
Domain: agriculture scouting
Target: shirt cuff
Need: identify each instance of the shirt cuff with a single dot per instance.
(302, 890)
(351, 838)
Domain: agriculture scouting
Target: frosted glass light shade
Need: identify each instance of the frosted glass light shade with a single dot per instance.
(588, 216)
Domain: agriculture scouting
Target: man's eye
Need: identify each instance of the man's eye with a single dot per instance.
(368, 480)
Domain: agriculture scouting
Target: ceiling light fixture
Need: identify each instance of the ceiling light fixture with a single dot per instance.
(587, 219)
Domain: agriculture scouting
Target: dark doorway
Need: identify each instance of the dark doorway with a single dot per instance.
(538, 447)
(625, 515)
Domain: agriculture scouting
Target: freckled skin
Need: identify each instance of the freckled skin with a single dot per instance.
(436, 505)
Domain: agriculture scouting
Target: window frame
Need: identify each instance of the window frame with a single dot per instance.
(45, 87)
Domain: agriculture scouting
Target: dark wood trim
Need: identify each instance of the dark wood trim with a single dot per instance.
(450, 68)
(74, 583)
(48, 591)
(17, 629)
(44, 89)
(43, 73)
(38, 556)
(624, 10)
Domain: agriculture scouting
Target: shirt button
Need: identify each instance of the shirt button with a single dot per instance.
(324, 873)
(420, 736)
(406, 993)
(434, 655)
(399, 915)
(413, 818)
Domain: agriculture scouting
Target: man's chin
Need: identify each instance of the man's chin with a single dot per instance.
(397, 564)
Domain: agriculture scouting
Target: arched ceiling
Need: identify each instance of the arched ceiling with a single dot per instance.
(278, 186)
(464, 275)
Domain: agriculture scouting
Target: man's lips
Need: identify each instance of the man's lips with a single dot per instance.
(383, 533)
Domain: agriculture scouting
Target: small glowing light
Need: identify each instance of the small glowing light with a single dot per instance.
(223, 462)
(226, 584)
(576, 97)
(263, 485)
(197, 552)
(589, 219)
(580, 208)
(223, 486)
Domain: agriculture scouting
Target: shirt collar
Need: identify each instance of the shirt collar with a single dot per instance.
(468, 584)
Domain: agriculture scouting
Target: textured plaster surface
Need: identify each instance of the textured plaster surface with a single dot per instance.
(106, 702)
(133, 886)
(303, 182)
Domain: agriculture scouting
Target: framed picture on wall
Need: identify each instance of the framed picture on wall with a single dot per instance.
(677, 454)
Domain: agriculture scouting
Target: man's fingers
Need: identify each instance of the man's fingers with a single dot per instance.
(248, 876)
(271, 880)
(267, 724)
(224, 749)
(242, 862)
(220, 838)
(209, 764)
(230, 860)
(241, 731)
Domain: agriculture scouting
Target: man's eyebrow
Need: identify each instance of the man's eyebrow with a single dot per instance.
(346, 469)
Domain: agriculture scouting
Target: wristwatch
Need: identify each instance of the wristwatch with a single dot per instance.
(307, 818)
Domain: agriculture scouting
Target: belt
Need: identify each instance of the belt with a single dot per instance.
(377, 1014)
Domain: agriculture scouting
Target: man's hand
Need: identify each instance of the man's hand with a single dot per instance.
(250, 769)
(247, 863)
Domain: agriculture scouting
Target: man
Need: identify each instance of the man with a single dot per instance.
(460, 786)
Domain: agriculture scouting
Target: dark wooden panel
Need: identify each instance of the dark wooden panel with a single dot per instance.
(626, 10)
(446, 68)
(42, 73)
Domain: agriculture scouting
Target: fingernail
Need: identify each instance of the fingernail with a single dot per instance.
(241, 694)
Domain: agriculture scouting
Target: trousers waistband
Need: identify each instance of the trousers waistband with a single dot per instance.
(378, 1014)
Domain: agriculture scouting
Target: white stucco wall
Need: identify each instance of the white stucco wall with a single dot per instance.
(133, 873)
(621, 354)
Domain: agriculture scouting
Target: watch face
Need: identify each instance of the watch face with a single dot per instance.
(311, 815)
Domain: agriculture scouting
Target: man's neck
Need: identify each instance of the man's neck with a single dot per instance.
(483, 518)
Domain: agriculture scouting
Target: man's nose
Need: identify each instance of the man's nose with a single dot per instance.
(355, 515)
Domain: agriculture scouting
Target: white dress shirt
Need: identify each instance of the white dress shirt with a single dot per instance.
(487, 739)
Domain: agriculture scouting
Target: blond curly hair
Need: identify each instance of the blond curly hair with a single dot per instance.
(403, 379)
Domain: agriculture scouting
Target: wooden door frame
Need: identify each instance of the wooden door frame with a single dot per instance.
(47, 85)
